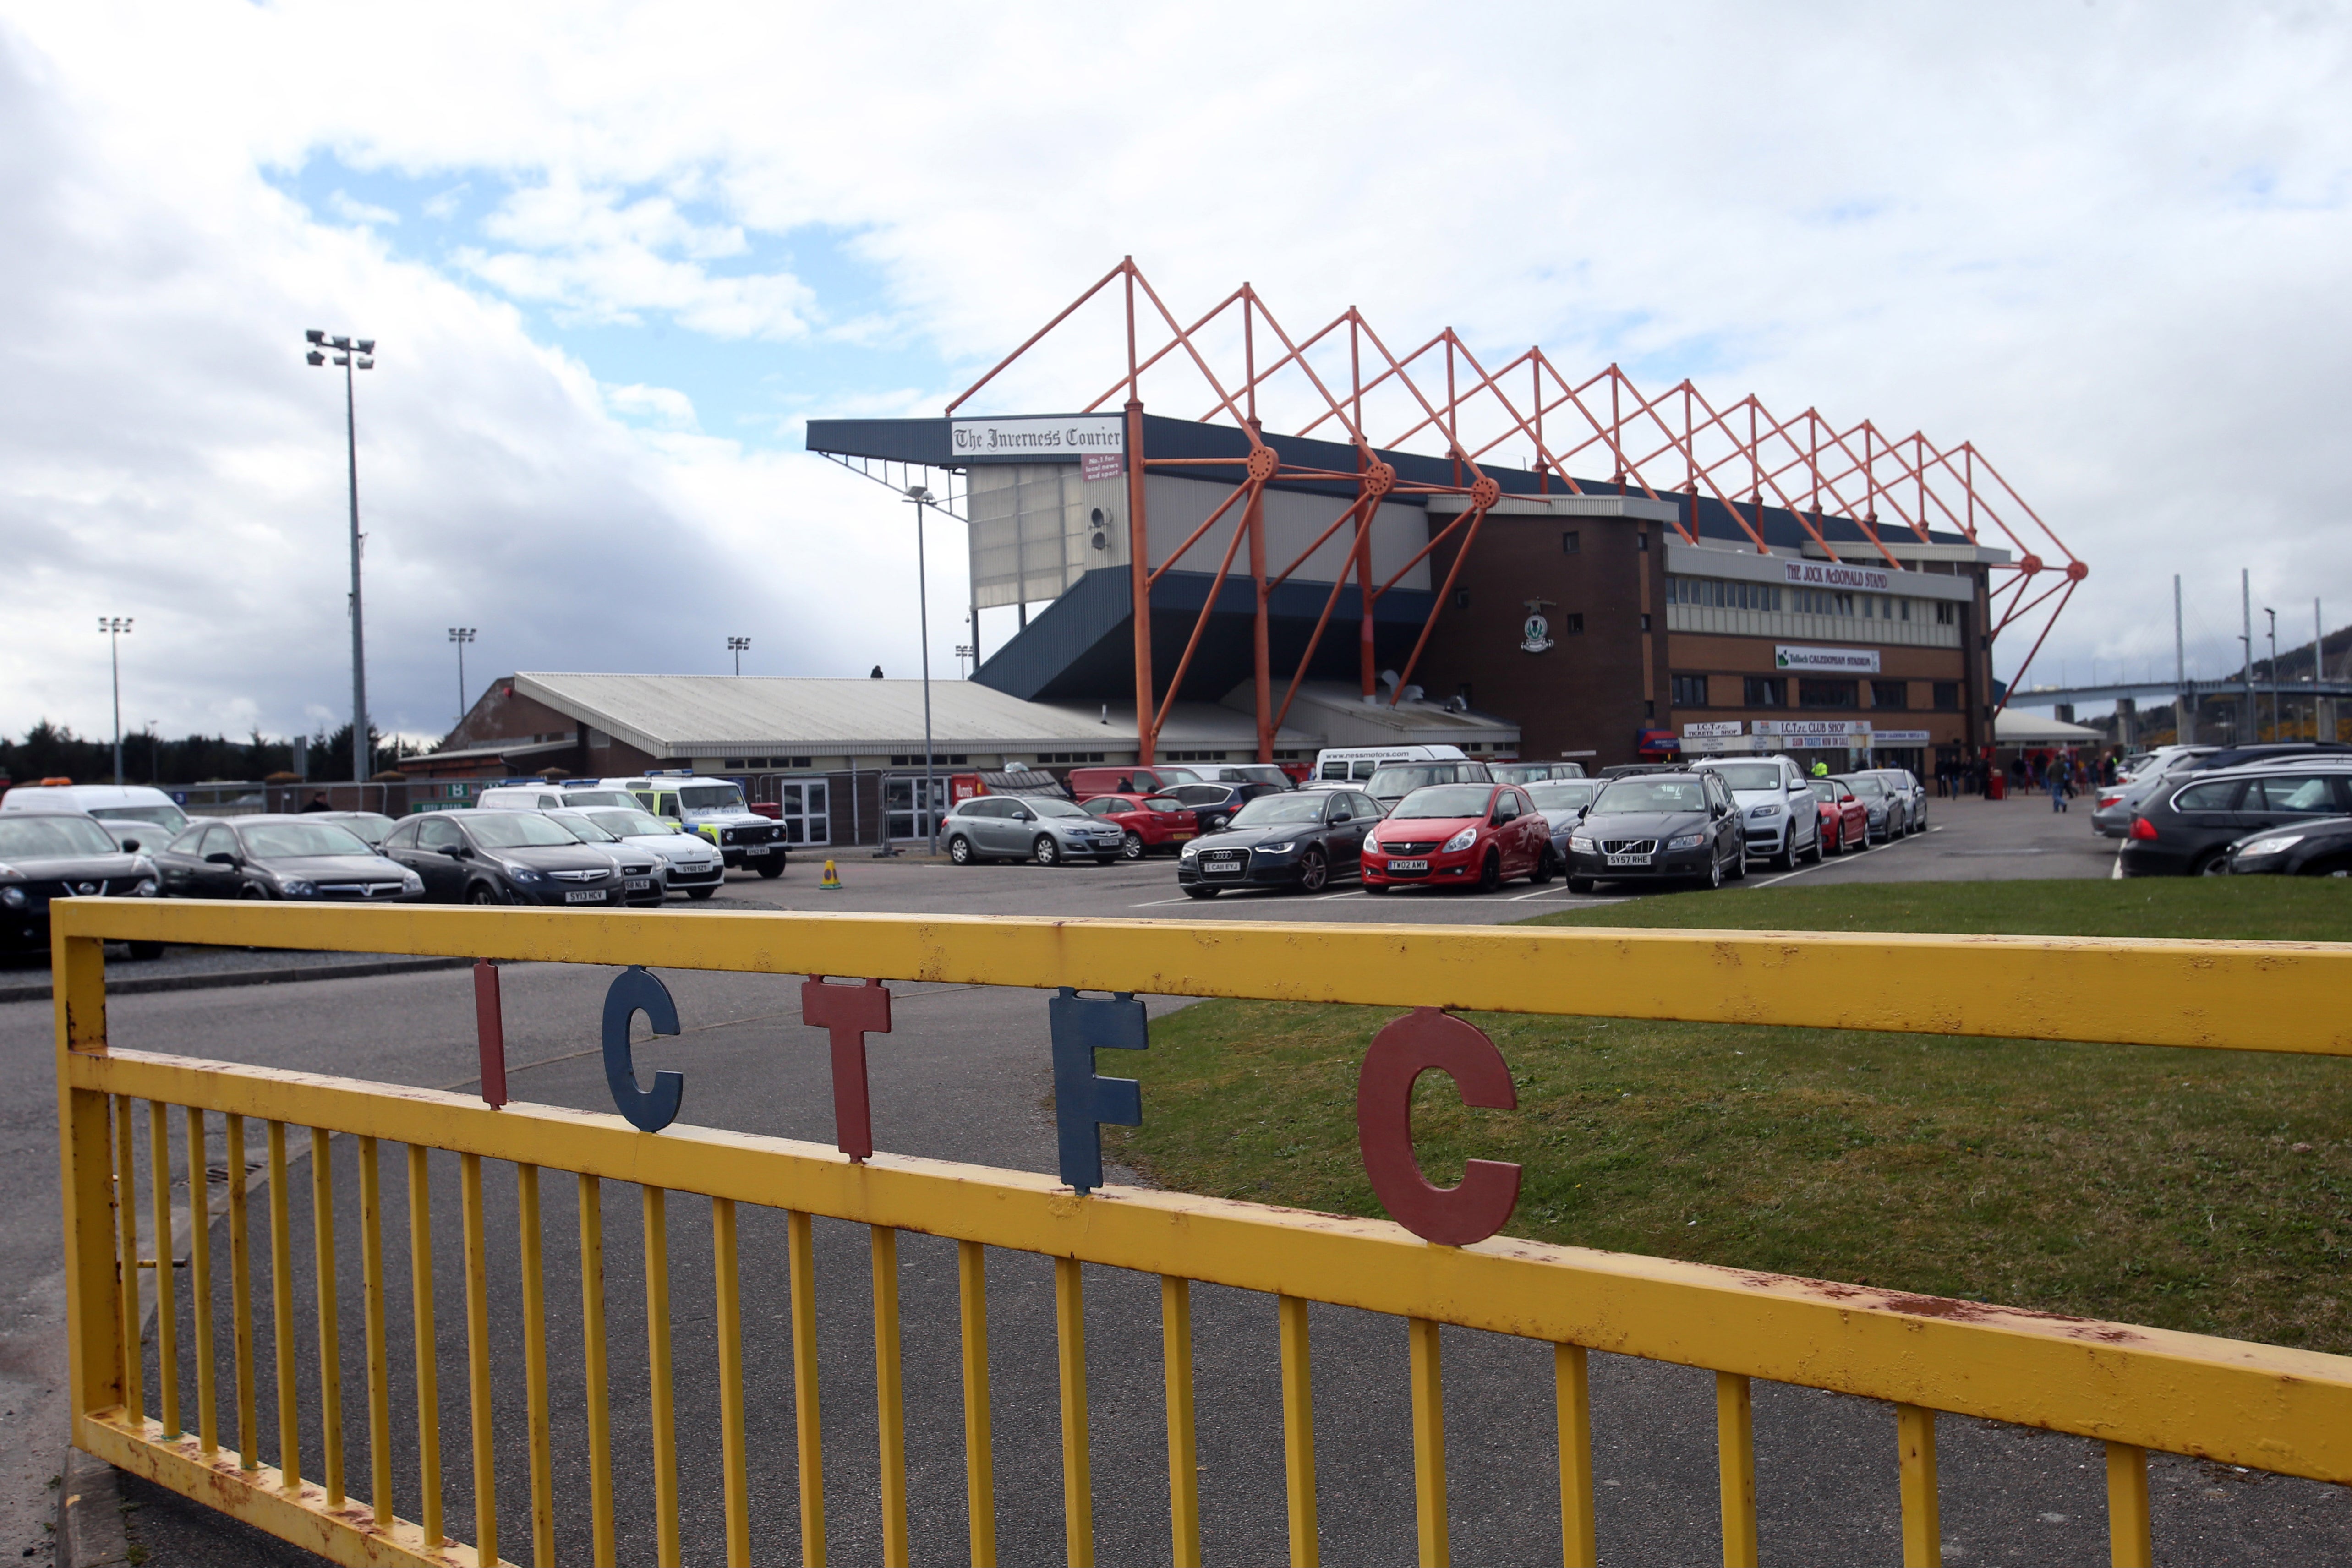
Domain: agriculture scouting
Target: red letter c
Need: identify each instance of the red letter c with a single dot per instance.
(1423, 1041)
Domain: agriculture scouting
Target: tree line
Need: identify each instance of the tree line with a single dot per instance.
(54, 751)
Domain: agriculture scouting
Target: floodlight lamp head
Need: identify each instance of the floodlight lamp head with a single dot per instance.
(314, 336)
(919, 494)
(365, 345)
(339, 342)
(316, 358)
(343, 359)
(366, 363)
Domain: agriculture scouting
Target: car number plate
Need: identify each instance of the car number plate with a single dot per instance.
(585, 895)
(1222, 868)
(1629, 860)
(639, 884)
(761, 850)
(1408, 865)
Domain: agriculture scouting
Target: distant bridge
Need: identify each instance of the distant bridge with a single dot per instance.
(2166, 691)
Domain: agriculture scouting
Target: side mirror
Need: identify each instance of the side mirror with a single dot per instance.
(220, 857)
(131, 846)
(1341, 817)
(456, 851)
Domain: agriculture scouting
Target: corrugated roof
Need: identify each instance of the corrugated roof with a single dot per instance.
(710, 716)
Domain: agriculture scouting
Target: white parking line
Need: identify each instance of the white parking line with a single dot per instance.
(1842, 860)
(1158, 903)
(1539, 893)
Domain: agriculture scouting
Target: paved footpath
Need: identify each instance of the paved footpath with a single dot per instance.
(964, 1077)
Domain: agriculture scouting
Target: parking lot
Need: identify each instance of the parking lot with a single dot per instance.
(965, 1077)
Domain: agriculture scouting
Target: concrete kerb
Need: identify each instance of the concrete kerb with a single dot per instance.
(91, 1533)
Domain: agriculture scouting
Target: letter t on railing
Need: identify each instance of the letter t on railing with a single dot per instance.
(489, 1028)
(1083, 1101)
(848, 1013)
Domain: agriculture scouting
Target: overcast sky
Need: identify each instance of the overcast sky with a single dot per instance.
(615, 258)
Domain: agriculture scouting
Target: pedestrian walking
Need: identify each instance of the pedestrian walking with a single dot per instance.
(2058, 788)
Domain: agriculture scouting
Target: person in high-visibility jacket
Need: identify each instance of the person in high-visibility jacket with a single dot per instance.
(1821, 769)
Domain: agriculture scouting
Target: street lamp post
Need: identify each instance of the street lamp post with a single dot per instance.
(116, 628)
(2274, 691)
(461, 635)
(920, 496)
(351, 354)
(735, 646)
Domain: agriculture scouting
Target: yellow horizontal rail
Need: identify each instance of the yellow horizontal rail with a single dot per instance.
(2276, 1410)
(2247, 996)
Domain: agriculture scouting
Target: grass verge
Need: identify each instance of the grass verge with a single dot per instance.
(2199, 1190)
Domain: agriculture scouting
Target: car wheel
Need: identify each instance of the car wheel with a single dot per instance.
(1713, 871)
(1738, 871)
(1490, 872)
(145, 951)
(1785, 860)
(1580, 884)
(699, 893)
(1817, 855)
(960, 851)
(1047, 852)
(1131, 847)
(2215, 864)
(1833, 842)
(1314, 872)
(1546, 866)
(1201, 892)
(773, 867)
(482, 892)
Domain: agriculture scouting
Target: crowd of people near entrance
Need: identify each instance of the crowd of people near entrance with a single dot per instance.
(2060, 775)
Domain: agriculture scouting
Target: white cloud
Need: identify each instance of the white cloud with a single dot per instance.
(665, 408)
(356, 212)
(2107, 244)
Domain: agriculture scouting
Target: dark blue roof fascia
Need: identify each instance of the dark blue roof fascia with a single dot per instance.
(924, 441)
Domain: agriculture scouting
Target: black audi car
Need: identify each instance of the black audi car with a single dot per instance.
(1645, 826)
(2319, 847)
(46, 856)
(297, 857)
(1301, 839)
(509, 857)
(2186, 830)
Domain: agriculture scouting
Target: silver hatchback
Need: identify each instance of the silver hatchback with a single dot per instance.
(1043, 827)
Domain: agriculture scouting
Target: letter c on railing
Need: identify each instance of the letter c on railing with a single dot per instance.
(1426, 1040)
(635, 989)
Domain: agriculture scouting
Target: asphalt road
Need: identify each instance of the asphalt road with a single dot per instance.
(965, 1077)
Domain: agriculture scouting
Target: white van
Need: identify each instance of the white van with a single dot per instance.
(125, 810)
(1353, 764)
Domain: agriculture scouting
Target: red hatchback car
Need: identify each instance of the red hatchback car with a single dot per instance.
(1845, 821)
(1151, 821)
(1473, 835)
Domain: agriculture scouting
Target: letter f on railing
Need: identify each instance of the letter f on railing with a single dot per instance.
(1083, 1101)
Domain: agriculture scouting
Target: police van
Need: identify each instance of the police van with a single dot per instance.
(712, 808)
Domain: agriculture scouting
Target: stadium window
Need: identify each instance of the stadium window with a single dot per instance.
(1645, 623)
(1946, 614)
(1813, 694)
(1641, 539)
(1766, 691)
(1689, 691)
(1571, 624)
(1890, 694)
(1571, 542)
(1841, 604)
(1947, 696)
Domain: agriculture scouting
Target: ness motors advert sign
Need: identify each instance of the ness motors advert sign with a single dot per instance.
(1826, 661)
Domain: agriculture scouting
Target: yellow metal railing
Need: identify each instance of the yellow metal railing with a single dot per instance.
(2136, 1389)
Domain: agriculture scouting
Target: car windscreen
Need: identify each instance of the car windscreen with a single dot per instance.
(1444, 801)
(1652, 795)
(516, 830)
(1268, 809)
(1748, 775)
(1824, 789)
(1405, 780)
(368, 825)
(1051, 806)
(583, 827)
(1518, 773)
(710, 798)
(31, 838)
(1863, 785)
(284, 840)
(599, 797)
(1560, 795)
(166, 817)
(628, 822)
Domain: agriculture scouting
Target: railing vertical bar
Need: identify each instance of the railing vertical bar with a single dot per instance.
(666, 1550)
(331, 1351)
(979, 1441)
(534, 1367)
(1914, 1436)
(732, 1458)
(1735, 1458)
(428, 1392)
(379, 1363)
(599, 1377)
(1183, 1447)
(281, 1296)
(890, 1398)
(1429, 1443)
(1572, 1396)
(1078, 1479)
(477, 1357)
(240, 1296)
(167, 1305)
(799, 1243)
(126, 1221)
(2130, 1542)
(200, 1286)
(1298, 1433)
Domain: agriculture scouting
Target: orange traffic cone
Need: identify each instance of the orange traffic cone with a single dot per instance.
(832, 881)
